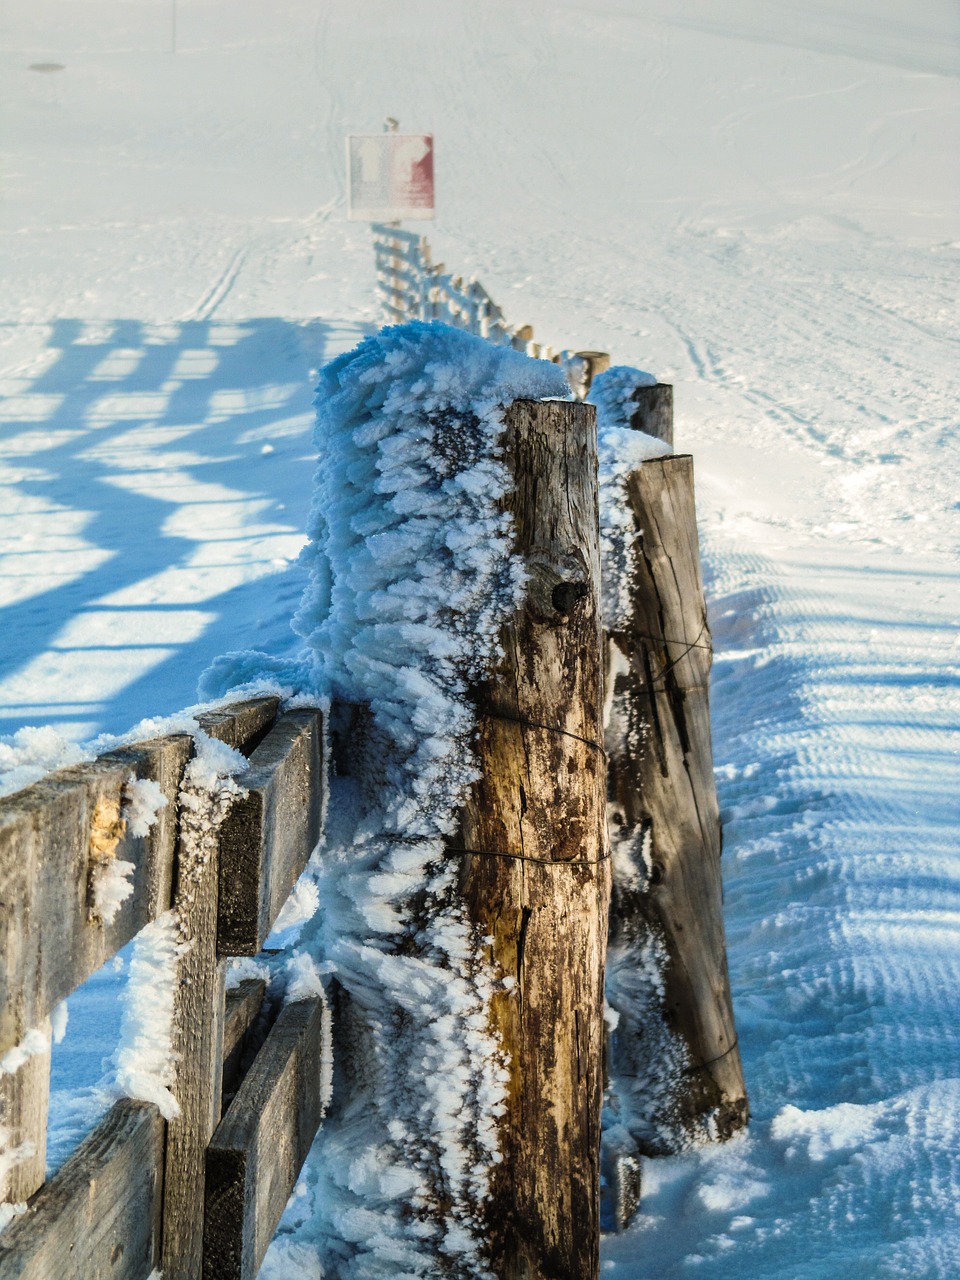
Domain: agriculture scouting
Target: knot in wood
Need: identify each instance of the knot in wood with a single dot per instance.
(557, 585)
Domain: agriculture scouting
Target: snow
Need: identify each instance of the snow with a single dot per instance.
(31, 753)
(111, 885)
(758, 202)
(37, 1040)
(145, 1055)
(112, 877)
(142, 801)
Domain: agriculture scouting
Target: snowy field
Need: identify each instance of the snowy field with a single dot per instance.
(755, 199)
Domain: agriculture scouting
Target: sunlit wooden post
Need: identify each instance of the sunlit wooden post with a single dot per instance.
(666, 830)
(535, 866)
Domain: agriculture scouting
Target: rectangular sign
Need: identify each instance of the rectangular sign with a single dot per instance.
(390, 177)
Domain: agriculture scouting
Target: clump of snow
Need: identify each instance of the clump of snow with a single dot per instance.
(58, 1021)
(142, 801)
(145, 1063)
(212, 769)
(111, 878)
(10, 1211)
(249, 673)
(243, 967)
(300, 907)
(732, 1182)
(838, 1128)
(304, 979)
(621, 450)
(285, 1259)
(30, 753)
(37, 1040)
(411, 580)
(640, 1104)
(111, 885)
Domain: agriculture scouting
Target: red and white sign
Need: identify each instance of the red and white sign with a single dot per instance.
(390, 177)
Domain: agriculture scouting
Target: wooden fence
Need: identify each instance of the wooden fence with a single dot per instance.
(201, 1191)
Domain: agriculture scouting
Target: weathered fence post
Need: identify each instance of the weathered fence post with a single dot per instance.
(536, 870)
(592, 363)
(666, 834)
(654, 412)
(198, 1044)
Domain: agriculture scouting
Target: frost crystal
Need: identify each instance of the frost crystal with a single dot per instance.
(412, 578)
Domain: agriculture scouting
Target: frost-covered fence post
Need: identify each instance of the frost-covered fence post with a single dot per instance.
(674, 1060)
(536, 870)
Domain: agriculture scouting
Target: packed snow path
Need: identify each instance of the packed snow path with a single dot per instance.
(759, 203)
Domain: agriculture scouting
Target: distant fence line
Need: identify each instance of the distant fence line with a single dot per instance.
(412, 287)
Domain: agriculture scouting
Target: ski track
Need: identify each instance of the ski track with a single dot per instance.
(217, 294)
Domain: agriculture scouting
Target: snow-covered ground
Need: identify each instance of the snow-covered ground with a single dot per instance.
(756, 200)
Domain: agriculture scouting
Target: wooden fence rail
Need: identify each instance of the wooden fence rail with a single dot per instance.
(131, 1198)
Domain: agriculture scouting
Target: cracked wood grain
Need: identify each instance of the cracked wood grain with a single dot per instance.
(542, 795)
(666, 819)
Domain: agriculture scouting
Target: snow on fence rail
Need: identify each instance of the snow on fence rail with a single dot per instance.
(413, 287)
(148, 1190)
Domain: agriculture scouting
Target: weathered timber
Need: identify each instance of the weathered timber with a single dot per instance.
(241, 725)
(268, 836)
(55, 838)
(24, 1094)
(592, 363)
(256, 1154)
(666, 836)
(535, 872)
(99, 1217)
(197, 1040)
(243, 1017)
(654, 412)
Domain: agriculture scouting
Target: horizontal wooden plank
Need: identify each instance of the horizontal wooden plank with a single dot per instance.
(269, 834)
(99, 1217)
(241, 725)
(243, 1004)
(55, 839)
(256, 1154)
